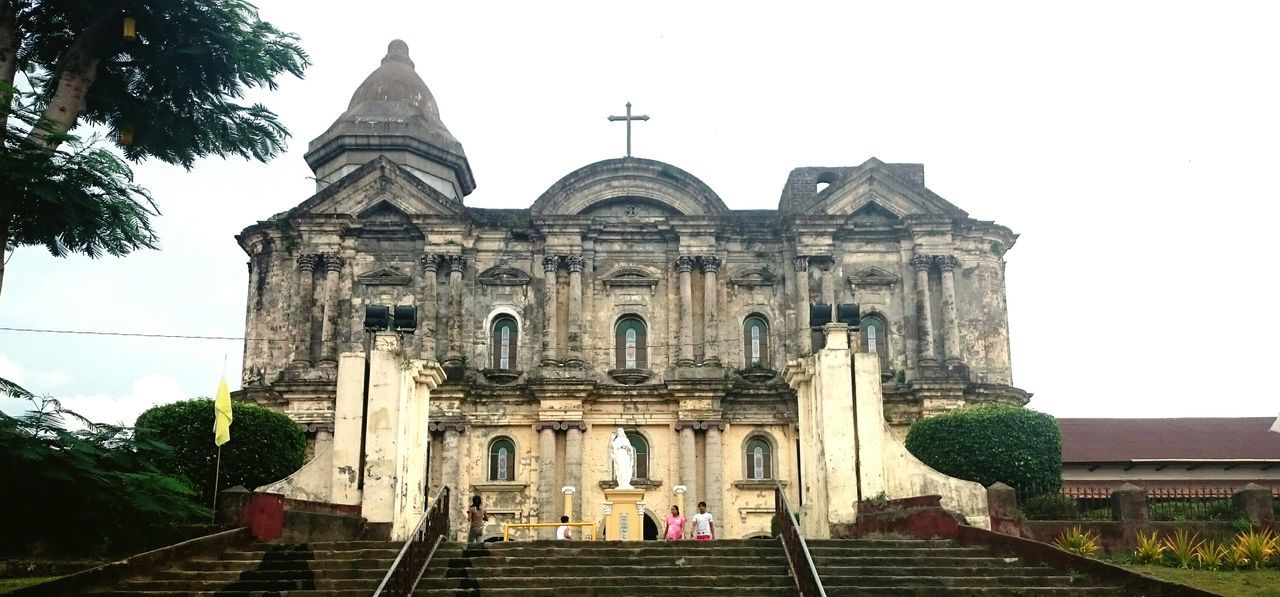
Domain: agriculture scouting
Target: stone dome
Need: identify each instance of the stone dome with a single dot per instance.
(391, 113)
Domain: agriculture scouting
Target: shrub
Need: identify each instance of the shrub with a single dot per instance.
(1078, 542)
(265, 445)
(1211, 554)
(1150, 549)
(992, 442)
(1182, 547)
(1050, 507)
(1257, 548)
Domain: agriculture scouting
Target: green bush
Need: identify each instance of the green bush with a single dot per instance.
(992, 442)
(265, 445)
(1050, 507)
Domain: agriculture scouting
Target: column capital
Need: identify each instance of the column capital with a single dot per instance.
(574, 263)
(456, 263)
(719, 425)
(430, 262)
(333, 262)
(679, 490)
(710, 263)
(921, 263)
(307, 262)
(550, 263)
(456, 426)
(684, 263)
(568, 490)
(801, 263)
(946, 263)
(559, 425)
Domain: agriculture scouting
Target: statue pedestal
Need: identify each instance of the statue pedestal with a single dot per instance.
(625, 520)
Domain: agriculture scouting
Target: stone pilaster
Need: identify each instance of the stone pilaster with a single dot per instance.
(333, 263)
(710, 315)
(688, 460)
(430, 288)
(457, 263)
(924, 309)
(550, 264)
(684, 267)
(573, 464)
(804, 339)
(574, 264)
(546, 472)
(714, 472)
(449, 458)
(950, 322)
(303, 304)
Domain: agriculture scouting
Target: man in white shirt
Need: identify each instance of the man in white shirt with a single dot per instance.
(562, 532)
(704, 527)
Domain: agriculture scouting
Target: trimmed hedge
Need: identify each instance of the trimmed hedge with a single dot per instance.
(265, 445)
(992, 442)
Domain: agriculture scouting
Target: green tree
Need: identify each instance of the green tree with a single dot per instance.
(174, 91)
(265, 445)
(986, 443)
(77, 486)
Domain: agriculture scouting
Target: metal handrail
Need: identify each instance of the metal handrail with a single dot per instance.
(798, 557)
(407, 569)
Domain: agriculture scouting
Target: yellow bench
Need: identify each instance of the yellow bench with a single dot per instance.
(508, 526)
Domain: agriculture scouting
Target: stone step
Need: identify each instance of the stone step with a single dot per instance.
(329, 564)
(1040, 591)
(318, 554)
(744, 583)
(630, 571)
(590, 588)
(825, 561)
(226, 576)
(669, 560)
(899, 552)
(222, 593)
(899, 570)
(554, 543)
(882, 543)
(1007, 581)
(348, 545)
(367, 584)
(614, 551)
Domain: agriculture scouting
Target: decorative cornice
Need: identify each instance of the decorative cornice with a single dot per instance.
(684, 264)
(574, 263)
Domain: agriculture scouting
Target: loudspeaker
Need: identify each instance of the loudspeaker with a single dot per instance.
(377, 318)
(819, 314)
(848, 313)
(406, 318)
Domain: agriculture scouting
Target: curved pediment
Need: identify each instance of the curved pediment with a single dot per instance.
(645, 181)
(630, 276)
(754, 276)
(503, 275)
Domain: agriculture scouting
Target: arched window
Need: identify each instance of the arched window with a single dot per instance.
(642, 454)
(755, 342)
(875, 338)
(631, 344)
(502, 460)
(504, 339)
(759, 458)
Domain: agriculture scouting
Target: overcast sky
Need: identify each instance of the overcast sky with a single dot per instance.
(1132, 145)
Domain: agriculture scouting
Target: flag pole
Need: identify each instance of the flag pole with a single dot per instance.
(217, 471)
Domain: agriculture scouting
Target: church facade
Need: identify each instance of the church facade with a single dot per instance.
(627, 295)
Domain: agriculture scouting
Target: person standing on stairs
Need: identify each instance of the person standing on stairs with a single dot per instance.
(675, 525)
(476, 516)
(562, 532)
(704, 527)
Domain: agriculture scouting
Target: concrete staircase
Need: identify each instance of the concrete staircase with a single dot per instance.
(894, 568)
(536, 568)
(335, 569)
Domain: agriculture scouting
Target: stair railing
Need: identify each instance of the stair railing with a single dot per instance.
(411, 562)
(798, 557)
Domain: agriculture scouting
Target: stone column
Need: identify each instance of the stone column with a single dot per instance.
(688, 459)
(427, 327)
(574, 263)
(550, 264)
(449, 458)
(303, 304)
(714, 472)
(679, 491)
(573, 461)
(456, 264)
(684, 265)
(804, 338)
(711, 319)
(569, 491)
(950, 323)
(333, 263)
(924, 310)
(546, 472)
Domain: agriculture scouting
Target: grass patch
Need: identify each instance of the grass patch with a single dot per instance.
(13, 584)
(1239, 583)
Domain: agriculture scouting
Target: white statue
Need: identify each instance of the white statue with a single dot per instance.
(624, 459)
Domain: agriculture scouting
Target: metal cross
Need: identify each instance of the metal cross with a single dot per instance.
(628, 118)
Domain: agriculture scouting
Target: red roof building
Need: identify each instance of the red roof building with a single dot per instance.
(1170, 454)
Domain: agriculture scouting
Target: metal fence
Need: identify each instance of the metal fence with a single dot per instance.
(1206, 503)
(1077, 503)
(1094, 503)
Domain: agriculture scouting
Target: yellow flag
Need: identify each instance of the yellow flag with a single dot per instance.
(222, 414)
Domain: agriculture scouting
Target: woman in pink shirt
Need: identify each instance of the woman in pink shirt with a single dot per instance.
(675, 525)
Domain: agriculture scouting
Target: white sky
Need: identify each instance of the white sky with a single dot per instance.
(1132, 145)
